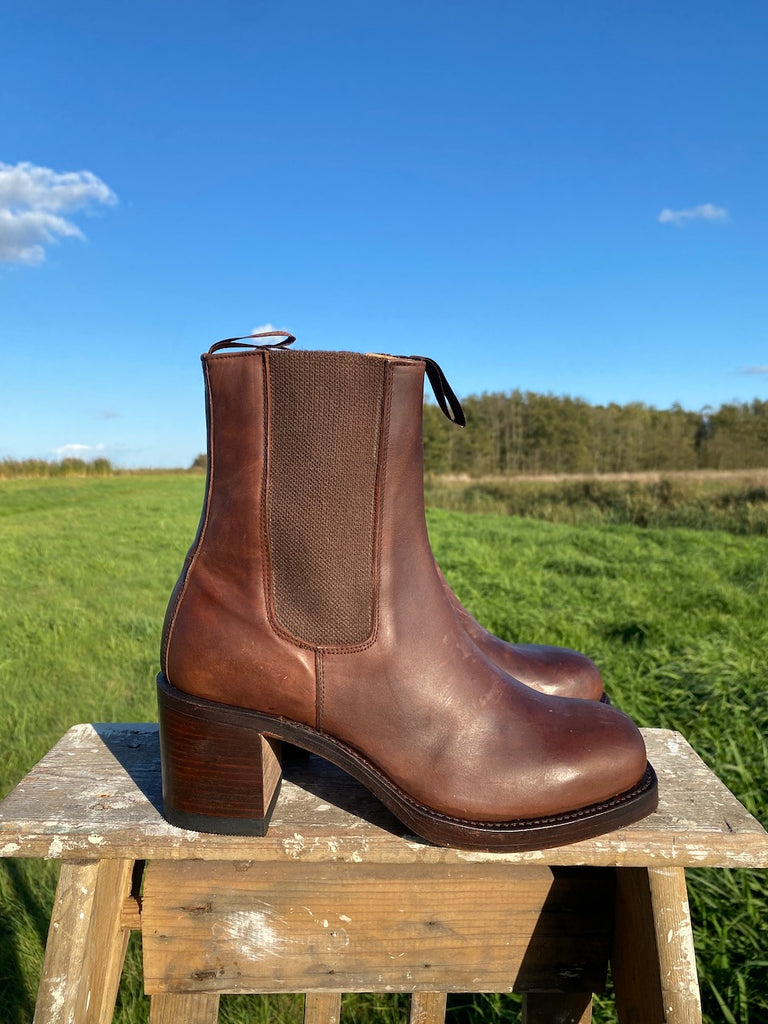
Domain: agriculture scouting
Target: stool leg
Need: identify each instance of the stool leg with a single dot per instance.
(557, 1008)
(428, 1007)
(674, 936)
(322, 1008)
(86, 943)
(654, 963)
(196, 1008)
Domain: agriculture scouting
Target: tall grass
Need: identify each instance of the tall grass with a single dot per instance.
(736, 502)
(674, 617)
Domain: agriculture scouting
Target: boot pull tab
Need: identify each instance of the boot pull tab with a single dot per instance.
(242, 342)
(444, 393)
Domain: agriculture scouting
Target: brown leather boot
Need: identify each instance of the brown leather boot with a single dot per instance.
(558, 671)
(310, 610)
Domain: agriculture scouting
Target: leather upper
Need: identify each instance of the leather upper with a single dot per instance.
(418, 698)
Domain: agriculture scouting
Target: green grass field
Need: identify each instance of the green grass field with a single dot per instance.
(676, 618)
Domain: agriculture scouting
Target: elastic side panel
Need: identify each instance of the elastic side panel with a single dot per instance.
(325, 418)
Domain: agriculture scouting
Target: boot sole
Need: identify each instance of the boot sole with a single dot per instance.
(221, 774)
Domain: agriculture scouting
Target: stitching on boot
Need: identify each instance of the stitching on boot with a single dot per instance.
(320, 690)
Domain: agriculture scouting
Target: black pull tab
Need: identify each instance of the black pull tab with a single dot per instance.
(444, 394)
(242, 342)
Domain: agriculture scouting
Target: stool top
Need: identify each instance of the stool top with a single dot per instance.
(97, 794)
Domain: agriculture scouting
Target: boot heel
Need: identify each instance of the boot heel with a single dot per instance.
(220, 774)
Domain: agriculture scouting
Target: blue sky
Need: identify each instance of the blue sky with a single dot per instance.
(551, 195)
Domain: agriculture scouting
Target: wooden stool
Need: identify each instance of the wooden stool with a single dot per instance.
(337, 899)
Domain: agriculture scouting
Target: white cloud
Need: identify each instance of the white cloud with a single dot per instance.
(754, 369)
(266, 329)
(33, 201)
(78, 451)
(707, 211)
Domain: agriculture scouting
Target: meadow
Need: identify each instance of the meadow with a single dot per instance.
(732, 500)
(674, 616)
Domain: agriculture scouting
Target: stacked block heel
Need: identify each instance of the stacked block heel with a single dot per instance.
(220, 775)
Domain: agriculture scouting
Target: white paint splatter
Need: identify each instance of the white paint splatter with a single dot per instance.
(57, 991)
(294, 845)
(56, 848)
(252, 933)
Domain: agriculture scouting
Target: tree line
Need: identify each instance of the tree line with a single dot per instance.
(517, 432)
(10, 468)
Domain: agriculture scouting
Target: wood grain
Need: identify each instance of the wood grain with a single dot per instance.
(184, 1009)
(428, 1007)
(356, 927)
(322, 1008)
(86, 944)
(654, 962)
(97, 793)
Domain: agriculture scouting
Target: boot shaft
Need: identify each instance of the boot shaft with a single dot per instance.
(298, 446)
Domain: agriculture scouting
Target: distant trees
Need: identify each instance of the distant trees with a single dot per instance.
(523, 432)
(42, 467)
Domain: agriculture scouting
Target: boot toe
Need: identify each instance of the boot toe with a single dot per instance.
(557, 671)
(612, 758)
(567, 755)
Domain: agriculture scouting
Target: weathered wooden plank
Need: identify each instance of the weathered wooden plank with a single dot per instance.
(322, 1008)
(557, 1008)
(86, 944)
(312, 927)
(98, 793)
(104, 953)
(67, 940)
(635, 958)
(200, 1008)
(674, 941)
(654, 963)
(130, 914)
(428, 1008)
